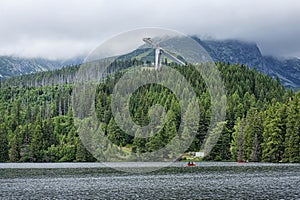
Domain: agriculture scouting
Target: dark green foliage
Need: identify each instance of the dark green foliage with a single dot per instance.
(116, 135)
(292, 138)
(221, 151)
(14, 153)
(82, 154)
(253, 136)
(3, 144)
(37, 124)
(237, 142)
(273, 135)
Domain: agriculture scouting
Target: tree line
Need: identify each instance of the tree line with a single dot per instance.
(37, 123)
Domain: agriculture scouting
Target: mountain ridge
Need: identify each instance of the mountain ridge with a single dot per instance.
(230, 51)
(249, 54)
(16, 66)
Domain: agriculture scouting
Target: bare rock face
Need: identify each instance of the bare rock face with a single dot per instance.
(234, 51)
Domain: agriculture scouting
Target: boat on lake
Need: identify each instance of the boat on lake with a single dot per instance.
(191, 164)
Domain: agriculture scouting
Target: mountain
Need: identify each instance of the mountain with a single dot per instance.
(15, 66)
(287, 70)
(246, 53)
(237, 52)
(229, 51)
(234, 51)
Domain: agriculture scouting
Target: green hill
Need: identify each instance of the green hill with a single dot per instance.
(37, 123)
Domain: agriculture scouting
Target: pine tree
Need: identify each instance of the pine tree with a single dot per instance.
(253, 136)
(71, 137)
(115, 134)
(14, 151)
(139, 143)
(273, 135)
(236, 147)
(190, 121)
(3, 143)
(164, 136)
(217, 147)
(292, 138)
(37, 141)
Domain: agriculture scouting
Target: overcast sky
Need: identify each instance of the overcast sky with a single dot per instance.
(62, 28)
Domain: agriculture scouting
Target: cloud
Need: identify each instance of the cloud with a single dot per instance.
(66, 28)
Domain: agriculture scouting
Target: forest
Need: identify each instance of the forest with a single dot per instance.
(37, 122)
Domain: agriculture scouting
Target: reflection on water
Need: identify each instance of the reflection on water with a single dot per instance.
(95, 180)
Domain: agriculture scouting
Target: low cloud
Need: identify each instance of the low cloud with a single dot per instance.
(58, 29)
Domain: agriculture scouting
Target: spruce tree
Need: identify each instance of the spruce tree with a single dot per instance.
(273, 135)
(3, 143)
(236, 147)
(14, 151)
(292, 138)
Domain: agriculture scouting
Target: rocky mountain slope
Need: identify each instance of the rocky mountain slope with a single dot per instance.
(234, 51)
(15, 66)
(246, 53)
(231, 51)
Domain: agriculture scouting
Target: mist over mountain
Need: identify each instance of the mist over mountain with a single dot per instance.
(249, 54)
(229, 51)
(238, 52)
(16, 66)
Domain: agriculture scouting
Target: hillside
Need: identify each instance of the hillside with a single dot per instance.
(37, 123)
(15, 66)
(228, 51)
(234, 51)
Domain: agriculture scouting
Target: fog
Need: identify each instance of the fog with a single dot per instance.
(68, 28)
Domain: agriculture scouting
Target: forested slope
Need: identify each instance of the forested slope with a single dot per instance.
(37, 123)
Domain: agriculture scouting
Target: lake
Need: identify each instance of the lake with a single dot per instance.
(208, 180)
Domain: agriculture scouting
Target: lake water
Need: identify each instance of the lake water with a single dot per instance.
(97, 181)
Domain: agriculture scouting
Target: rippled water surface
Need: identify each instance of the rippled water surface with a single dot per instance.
(98, 181)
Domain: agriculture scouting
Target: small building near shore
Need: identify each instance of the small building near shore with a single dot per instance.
(199, 154)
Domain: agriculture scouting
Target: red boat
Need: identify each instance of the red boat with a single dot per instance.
(191, 164)
(242, 162)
